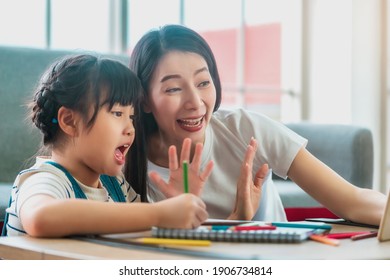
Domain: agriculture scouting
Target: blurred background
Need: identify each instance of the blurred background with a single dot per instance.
(322, 61)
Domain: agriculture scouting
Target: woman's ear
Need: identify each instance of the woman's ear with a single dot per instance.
(146, 107)
(67, 121)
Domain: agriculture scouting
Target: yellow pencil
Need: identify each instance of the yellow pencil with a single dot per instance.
(325, 240)
(171, 241)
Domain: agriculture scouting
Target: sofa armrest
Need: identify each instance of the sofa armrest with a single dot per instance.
(347, 149)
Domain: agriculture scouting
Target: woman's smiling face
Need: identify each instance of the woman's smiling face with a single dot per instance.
(182, 97)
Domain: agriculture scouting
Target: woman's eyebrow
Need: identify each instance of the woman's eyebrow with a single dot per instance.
(167, 77)
(203, 69)
(177, 76)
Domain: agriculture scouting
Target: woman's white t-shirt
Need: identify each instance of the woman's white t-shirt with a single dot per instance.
(226, 141)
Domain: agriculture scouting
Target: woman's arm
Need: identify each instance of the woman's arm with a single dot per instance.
(331, 190)
(44, 216)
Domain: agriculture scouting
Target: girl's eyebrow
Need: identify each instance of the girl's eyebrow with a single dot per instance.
(177, 76)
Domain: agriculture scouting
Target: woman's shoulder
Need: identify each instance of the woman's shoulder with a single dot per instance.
(236, 118)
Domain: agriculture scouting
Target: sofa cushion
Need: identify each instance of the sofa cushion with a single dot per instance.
(5, 193)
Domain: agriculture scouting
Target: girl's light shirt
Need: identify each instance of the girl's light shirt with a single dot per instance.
(227, 138)
(47, 179)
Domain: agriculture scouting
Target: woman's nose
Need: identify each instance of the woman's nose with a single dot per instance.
(193, 99)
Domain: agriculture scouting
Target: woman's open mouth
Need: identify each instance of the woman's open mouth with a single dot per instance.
(191, 125)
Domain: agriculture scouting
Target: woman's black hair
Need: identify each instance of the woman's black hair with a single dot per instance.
(83, 83)
(149, 50)
(144, 59)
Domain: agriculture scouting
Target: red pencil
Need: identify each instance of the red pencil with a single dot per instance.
(364, 236)
(344, 235)
(254, 227)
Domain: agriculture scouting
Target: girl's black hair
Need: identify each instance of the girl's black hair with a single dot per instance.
(84, 82)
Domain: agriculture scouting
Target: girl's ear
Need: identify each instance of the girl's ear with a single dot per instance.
(67, 120)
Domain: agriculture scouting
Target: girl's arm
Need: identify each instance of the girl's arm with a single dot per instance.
(44, 216)
(331, 190)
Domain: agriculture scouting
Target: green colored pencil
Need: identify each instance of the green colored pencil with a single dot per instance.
(185, 174)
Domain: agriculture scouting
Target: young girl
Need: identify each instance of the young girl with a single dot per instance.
(85, 107)
(182, 95)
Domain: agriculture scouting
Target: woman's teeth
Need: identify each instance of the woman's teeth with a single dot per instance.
(191, 122)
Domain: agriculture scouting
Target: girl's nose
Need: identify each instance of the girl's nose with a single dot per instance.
(129, 130)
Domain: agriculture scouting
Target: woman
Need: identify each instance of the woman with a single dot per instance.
(182, 96)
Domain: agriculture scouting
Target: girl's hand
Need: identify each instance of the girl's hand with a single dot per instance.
(196, 177)
(183, 211)
(249, 190)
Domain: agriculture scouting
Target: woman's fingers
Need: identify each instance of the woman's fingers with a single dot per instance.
(161, 184)
(185, 150)
(172, 155)
(204, 175)
(196, 161)
(260, 175)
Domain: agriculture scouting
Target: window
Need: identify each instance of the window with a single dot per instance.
(80, 25)
(23, 23)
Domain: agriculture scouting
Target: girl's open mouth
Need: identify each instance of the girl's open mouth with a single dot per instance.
(120, 153)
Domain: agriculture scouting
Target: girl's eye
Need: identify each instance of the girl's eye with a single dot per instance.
(133, 117)
(204, 84)
(117, 113)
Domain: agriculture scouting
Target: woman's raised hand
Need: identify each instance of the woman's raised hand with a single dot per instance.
(196, 177)
(248, 188)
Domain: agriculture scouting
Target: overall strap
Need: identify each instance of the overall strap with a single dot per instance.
(76, 188)
(110, 184)
(114, 189)
(4, 229)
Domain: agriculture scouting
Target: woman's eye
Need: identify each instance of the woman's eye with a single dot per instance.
(172, 90)
(204, 84)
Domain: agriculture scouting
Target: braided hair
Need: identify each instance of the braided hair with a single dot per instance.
(76, 82)
(84, 82)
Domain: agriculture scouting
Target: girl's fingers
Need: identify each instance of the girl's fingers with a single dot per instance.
(172, 155)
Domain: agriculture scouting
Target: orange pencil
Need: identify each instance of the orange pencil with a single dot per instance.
(325, 240)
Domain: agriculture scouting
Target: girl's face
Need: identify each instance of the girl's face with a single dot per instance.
(182, 97)
(102, 148)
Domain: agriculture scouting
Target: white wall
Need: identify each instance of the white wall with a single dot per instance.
(345, 66)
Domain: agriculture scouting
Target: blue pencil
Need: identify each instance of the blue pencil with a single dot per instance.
(302, 225)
